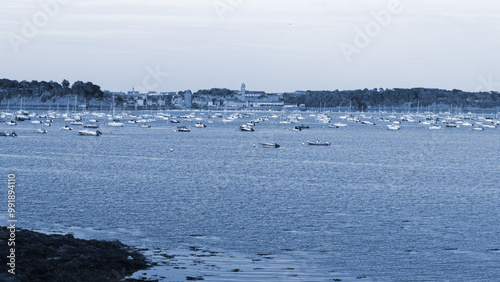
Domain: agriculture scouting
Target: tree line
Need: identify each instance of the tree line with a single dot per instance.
(357, 99)
(48, 90)
(398, 97)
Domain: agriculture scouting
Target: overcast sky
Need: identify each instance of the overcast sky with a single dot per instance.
(270, 45)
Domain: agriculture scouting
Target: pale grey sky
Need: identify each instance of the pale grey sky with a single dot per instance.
(270, 45)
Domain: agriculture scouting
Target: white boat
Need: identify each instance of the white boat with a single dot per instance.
(36, 121)
(393, 127)
(89, 133)
(270, 145)
(435, 127)
(66, 127)
(76, 123)
(340, 125)
(367, 122)
(11, 122)
(6, 133)
(318, 143)
(488, 126)
(42, 131)
(145, 126)
(478, 129)
(182, 129)
(200, 125)
(246, 127)
(115, 124)
(91, 126)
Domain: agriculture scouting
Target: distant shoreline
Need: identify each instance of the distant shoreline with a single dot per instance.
(14, 108)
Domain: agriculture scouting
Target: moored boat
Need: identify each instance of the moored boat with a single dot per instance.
(435, 127)
(393, 127)
(116, 124)
(66, 127)
(89, 133)
(318, 143)
(337, 125)
(182, 129)
(7, 133)
(246, 127)
(270, 145)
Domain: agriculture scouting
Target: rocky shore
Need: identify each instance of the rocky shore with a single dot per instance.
(41, 257)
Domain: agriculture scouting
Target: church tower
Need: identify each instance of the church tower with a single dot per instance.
(242, 93)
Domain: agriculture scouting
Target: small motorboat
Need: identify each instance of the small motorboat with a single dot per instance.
(297, 128)
(6, 133)
(200, 125)
(393, 127)
(270, 145)
(478, 129)
(76, 123)
(66, 127)
(145, 126)
(367, 122)
(488, 126)
(174, 121)
(89, 133)
(246, 127)
(182, 129)
(93, 125)
(36, 121)
(318, 143)
(11, 122)
(303, 126)
(116, 124)
(42, 131)
(337, 125)
(435, 127)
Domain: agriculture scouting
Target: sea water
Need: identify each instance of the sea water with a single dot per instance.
(413, 204)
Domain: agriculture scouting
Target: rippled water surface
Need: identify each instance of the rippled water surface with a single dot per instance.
(415, 204)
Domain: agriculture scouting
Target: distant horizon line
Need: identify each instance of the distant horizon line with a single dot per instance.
(266, 91)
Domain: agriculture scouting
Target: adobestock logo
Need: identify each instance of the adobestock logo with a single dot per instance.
(372, 29)
(49, 9)
(222, 7)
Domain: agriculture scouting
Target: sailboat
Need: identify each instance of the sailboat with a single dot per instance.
(115, 123)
